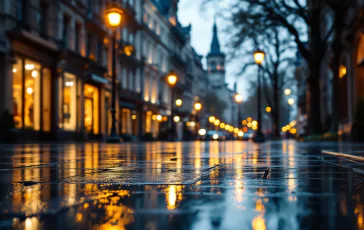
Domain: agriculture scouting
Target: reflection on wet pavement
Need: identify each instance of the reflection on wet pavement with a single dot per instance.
(195, 185)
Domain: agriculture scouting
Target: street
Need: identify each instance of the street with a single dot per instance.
(181, 185)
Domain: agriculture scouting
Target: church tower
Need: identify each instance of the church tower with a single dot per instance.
(216, 61)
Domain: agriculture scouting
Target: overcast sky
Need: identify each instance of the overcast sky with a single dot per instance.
(202, 22)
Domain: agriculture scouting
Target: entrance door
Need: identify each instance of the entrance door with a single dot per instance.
(89, 115)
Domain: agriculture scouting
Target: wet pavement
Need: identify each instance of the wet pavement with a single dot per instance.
(193, 185)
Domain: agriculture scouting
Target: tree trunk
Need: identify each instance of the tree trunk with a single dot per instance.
(314, 113)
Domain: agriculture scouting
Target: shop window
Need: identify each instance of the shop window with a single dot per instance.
(46, 97)
(126, 121)
(32, 95)
(18, 93)
(91, 109)
(148, 122)
(29, 83)
(68, 108)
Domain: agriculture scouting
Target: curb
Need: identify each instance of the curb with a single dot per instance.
(345, 155)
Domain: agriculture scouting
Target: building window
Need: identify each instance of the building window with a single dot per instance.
(88, 45)
(91, 109)
(65, 32)
(42, 20)
(100, 48)
(67, 117)
(77, 37)
(30, 83)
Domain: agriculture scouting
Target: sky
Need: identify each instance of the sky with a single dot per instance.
(189, 12)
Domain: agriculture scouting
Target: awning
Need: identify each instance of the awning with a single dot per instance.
(124, 104)
(99, 79)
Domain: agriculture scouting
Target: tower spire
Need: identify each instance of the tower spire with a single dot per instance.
(215, 43)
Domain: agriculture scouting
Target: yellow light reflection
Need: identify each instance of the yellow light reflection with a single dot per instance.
(258, 223)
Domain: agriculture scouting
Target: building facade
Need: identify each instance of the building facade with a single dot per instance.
(55, 68)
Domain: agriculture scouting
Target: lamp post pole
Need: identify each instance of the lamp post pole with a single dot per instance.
(171, 120)
(259, 58)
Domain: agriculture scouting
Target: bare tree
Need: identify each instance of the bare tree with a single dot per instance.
(278, 48)
(302, 20)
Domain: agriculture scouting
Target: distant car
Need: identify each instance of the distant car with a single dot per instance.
(248, 135)
(215, 135)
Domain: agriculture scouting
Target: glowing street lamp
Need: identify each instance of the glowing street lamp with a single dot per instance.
(268, 109)
(179, 102)
(212, 119)
(290, 101)
(172, 81)
(176, 118)
(259, 56)
(113, 15)
(287, 92)
(198, 106)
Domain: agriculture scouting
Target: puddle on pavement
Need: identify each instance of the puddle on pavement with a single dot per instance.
(178, 186)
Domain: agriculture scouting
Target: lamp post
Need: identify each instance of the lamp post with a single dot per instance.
(172, 80)
(259, 58)
(238, 100)
(197, 106)
(113, 15)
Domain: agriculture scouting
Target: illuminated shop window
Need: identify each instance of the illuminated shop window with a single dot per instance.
(91, 109)
(68, 105)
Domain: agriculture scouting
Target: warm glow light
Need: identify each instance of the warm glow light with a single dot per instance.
(254, 127)
(172, 78)
(231, 129)
(198, 106)
(249, 119)
(192, 124)
(154, 117)
(342, 71)
(29, 66)
(268, 109)
(238, 98)
(287, 92)
(215, 136)
(176, 118)
(212, 119)
(241, 134)
(244, 122)
(293, 131)
(222, 125)
(292, 124)
(217, 122)
(165, 118)
(179, 102)
(113, 15)
(284, 129)
(172, 197)
(236, 130)
(227, 127)
(249, 124)
(128, 50)
(254, 123)
(133, 117)
(34, 73)
(245, 129)
(259, 56)
(288, 127)
(14, 70)
(29, 90)
(290, 101)
(188, 123)
(159, 117)
(202, 132)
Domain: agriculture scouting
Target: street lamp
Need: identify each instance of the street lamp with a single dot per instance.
(198, 107)
(287, 92)
(238, 100)
(290, 101)
(179, 102)
(259, 58)
(113, 15)
(172, 81)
